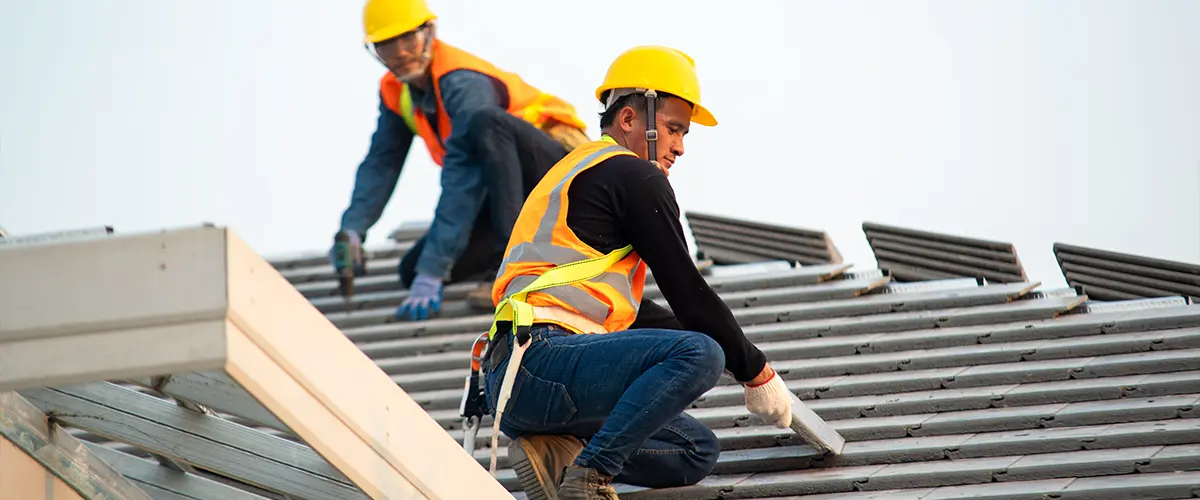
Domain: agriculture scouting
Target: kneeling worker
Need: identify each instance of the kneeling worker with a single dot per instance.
(492, 133)
(604, 376)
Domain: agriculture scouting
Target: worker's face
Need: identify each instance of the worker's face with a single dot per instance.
(405, 55)
(673, 119)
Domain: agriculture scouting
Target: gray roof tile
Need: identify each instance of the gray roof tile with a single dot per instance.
(914, 255)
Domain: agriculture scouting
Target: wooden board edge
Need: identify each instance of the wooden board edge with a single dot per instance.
(272, 314)
(110, 355)
(308, 417)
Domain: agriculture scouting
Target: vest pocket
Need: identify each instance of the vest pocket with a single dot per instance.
(538, 404)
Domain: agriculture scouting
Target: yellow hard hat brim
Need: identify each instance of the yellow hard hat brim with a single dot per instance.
(702, 116)
(394, 30)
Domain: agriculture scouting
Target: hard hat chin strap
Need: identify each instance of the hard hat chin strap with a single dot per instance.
(651, 128)
(651, 115)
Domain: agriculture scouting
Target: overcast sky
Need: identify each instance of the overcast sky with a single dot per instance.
(1022, 121)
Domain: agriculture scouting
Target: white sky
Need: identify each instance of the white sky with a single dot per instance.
(1023, 121)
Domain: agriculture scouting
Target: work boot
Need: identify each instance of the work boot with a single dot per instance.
(539, 461)
(579, 483)
(481, 298)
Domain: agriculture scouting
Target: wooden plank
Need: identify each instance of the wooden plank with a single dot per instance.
(315, 423)
(164, 428)
(111, 283)
(22, 477)
(115, 292)
(71, 310)
(166, 482)
(28, 430)
(111, 354)
(272, 314)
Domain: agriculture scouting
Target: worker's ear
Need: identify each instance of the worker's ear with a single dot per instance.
(626, 117)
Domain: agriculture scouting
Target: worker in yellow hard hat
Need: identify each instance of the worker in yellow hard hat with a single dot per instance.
(492, 134)
(591, 380)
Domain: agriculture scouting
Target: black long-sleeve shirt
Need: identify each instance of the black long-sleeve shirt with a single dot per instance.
(625, 200)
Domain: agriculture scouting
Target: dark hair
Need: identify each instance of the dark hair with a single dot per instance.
(636, 100)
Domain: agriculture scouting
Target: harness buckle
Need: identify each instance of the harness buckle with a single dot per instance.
(471, 407)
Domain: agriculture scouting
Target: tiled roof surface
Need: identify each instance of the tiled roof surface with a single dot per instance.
(950, 388)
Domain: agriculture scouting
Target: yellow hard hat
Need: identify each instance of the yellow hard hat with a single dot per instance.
(384, 19)
(662, 69)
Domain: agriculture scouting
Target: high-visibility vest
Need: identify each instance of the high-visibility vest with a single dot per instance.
(524, 100)
(546, 265)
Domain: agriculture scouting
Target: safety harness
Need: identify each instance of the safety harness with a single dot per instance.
(520, 314)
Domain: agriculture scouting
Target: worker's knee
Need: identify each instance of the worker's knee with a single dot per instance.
(703, 457)
(706, 359)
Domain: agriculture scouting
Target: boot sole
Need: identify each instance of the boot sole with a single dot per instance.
(527, 475)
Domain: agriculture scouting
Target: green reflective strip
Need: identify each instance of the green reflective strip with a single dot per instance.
(406, 108)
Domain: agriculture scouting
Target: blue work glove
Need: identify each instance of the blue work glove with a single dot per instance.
(424, 300)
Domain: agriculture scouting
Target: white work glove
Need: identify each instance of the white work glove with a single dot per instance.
(770, 401)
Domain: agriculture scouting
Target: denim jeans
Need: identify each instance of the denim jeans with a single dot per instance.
(514, 155)
(623, 392)
(479, 261)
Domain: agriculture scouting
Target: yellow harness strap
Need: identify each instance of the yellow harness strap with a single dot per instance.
(514, 308)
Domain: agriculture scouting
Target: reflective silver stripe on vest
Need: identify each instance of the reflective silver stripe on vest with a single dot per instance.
(542, 249)
(588, 305)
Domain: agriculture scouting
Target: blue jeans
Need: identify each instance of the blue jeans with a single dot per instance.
(623, 392)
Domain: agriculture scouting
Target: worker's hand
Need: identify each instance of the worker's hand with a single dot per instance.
(347, 253)
(769, 399)
(424, 300)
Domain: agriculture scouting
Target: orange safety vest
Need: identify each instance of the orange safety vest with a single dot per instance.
(524, 100)
(542, 241)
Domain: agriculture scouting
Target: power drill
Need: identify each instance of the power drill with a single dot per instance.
(347, 264)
